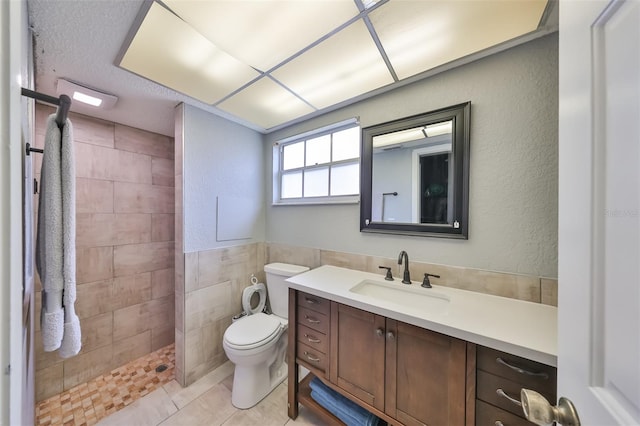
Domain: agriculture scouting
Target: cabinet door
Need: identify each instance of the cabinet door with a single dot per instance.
(425, 376)
(357, 349)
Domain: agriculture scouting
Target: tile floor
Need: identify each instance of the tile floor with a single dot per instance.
(86, 403)
(207, 402)
(135, 394)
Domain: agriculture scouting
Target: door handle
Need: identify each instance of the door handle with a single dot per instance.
(538, 410)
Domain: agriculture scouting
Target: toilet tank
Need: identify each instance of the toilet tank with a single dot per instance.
(277, 288)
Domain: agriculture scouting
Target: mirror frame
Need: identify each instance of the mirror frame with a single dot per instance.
(460, 115)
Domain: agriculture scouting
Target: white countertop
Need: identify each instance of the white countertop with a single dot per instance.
(521, 328)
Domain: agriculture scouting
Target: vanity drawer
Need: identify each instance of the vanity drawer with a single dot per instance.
(501, 392)
(311, 357)
(531, 374)
(314, 303)
(488, 415)
(312, 319)
(312, 338)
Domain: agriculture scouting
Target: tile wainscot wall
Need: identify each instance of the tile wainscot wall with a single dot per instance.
(214, 280)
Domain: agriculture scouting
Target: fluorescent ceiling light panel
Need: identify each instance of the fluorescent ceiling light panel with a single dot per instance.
(345, 65)
(169, 51)
(266, 104)
(87, 96)
(264, 33)
(421, 35)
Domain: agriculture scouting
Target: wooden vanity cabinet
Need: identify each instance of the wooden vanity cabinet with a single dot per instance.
(425, 376)
(358, 353)
(500, 377)
(312, 332)
(402, 373)
(413, 375)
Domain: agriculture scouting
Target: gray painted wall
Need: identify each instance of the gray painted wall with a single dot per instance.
(513, 174)
(221, 159)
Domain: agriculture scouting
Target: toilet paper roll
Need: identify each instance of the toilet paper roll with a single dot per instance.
(248, 293)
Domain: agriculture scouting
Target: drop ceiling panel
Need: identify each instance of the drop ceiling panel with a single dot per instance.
(345, 65)
(168, 51)
(264, 33)
(265, 103)
(420, 35)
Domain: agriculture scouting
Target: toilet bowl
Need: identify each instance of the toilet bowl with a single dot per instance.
(257, 342)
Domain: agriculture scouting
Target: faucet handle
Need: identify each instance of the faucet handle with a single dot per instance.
(388, 277)
(425, 281)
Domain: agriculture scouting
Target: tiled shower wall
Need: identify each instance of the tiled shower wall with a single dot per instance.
(125, 249)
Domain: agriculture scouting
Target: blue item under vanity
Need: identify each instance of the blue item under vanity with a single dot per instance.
(346, 410)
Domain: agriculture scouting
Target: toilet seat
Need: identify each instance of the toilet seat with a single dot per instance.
(248, 293)
(253, 331)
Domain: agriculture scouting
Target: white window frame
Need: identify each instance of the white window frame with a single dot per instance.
(278, 172)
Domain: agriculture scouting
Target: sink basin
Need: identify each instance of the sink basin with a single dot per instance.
(409, 296)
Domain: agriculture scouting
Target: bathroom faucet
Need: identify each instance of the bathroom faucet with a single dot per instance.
(406, 279)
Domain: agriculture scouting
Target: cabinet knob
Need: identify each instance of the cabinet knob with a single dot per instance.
(311, 301)
(379, 332)
(390, 335)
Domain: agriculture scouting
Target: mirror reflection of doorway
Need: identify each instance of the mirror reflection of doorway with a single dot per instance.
(433, 184)
(434, 177)
(434, 188)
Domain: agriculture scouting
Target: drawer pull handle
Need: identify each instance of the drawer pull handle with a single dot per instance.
(311, 319)
(312, 339)
(521, 370)
(311, 301)
(504, 395)
(498, 423)
(310, 358)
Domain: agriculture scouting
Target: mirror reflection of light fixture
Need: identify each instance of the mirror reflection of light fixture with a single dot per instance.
(438, 129)
(413, 134)
(86, 95)
(398, 137)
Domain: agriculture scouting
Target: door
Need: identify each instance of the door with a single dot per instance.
(357, 353)
(599, 210)
(425, 376)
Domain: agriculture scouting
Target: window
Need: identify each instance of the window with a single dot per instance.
(321, 166)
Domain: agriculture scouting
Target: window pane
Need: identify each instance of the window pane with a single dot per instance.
(291, 185)
(316, 183)
(319, 150)
(346, 144)
(345, 179)
(293, 156)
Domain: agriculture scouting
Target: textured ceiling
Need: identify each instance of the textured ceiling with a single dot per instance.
(83, 41)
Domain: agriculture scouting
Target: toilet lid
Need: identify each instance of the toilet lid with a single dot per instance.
(252, 331)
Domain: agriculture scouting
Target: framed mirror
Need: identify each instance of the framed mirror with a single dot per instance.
(415, 175)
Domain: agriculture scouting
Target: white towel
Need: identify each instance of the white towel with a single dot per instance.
(55, 245)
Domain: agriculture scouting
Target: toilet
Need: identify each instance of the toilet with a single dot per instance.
(257, 342)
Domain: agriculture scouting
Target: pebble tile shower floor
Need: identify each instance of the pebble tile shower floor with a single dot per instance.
(87, 403)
